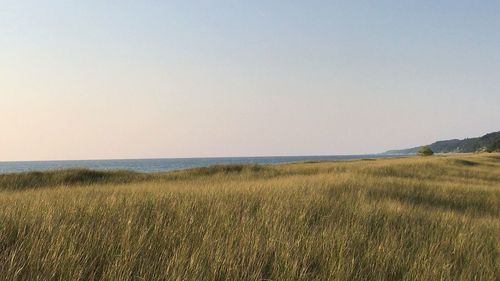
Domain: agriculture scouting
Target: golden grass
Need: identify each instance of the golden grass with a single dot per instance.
(432, 218)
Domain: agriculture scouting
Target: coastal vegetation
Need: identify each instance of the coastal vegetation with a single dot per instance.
(413, 218)
(489, 143)
(494, 147)
(425, 151)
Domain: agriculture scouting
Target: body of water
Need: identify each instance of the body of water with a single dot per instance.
(167, 164)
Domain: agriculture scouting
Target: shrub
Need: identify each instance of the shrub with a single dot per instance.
(425, 151)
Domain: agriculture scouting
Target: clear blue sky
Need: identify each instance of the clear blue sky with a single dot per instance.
(128, 79)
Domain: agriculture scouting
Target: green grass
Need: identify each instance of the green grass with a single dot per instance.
(429, 218)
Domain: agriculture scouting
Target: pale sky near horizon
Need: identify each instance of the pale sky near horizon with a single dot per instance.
(141, 79)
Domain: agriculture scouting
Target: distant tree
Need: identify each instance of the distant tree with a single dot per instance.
(494, 147)
(425, 151)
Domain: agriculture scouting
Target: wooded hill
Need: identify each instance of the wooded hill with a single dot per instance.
(489, 142)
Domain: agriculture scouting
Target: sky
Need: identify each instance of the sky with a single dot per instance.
(159, 79)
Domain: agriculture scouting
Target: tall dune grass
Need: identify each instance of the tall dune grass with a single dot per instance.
(435, 218)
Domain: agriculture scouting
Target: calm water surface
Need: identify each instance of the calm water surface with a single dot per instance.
(167, 164)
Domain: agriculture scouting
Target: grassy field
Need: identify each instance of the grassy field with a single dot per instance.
(430, 218)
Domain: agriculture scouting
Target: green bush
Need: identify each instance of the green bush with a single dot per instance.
(425, 151)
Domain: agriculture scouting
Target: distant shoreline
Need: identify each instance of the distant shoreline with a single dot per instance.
(169, 164)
